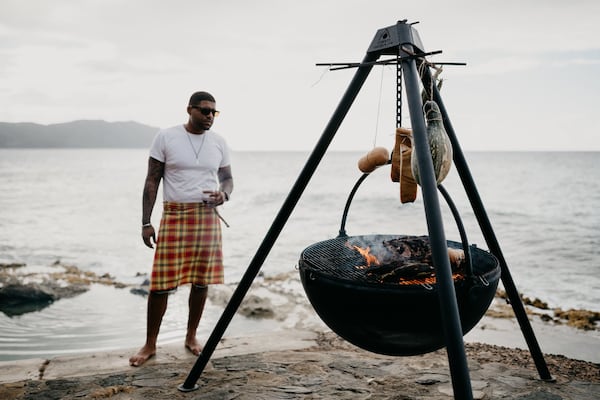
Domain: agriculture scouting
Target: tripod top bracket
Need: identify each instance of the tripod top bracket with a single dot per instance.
(387, 40)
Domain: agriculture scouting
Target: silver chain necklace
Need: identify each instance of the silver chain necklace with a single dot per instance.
(196, 153)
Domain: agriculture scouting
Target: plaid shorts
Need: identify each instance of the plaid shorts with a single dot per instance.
(188, 247)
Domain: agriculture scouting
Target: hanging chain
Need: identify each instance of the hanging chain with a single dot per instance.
(398, 91)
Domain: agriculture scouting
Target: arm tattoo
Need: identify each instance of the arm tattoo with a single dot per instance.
(155, 173)
(226, 179)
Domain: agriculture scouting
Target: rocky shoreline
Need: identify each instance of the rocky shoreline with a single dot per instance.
(25, 290)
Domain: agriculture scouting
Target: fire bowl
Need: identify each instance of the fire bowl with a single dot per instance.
(386, 318)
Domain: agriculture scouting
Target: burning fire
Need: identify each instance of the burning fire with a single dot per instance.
(366, 253)
(430, 280)
(456, 257)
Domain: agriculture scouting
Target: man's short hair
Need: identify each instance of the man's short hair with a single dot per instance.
(197, 97)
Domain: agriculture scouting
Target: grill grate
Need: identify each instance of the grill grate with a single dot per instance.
(335, 258)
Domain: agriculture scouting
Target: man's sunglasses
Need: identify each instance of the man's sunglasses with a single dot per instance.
(206, 111)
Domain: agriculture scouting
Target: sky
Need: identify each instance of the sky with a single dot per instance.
(531, 80)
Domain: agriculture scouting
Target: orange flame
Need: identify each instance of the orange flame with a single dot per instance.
(431, 280)
(366, 253)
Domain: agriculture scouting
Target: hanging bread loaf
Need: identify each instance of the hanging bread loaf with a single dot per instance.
(375, 158)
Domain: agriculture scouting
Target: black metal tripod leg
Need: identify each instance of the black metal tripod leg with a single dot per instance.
(457, 358)
(279, 223)
(492, 242)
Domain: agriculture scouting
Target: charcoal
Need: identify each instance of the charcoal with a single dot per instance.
(391, 273)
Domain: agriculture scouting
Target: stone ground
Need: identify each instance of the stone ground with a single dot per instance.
(298, 365)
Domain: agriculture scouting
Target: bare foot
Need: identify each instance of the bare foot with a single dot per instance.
(193, 346)
(143, 355)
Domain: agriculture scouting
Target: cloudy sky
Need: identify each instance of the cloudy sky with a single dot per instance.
(531, 81)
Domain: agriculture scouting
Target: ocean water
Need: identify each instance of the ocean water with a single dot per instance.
(83, 207)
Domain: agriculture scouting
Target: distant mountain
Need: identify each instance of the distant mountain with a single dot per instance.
(76, 134)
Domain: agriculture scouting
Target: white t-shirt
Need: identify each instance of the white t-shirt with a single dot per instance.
(191, 162)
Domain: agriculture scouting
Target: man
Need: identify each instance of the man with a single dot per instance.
(194, 164)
